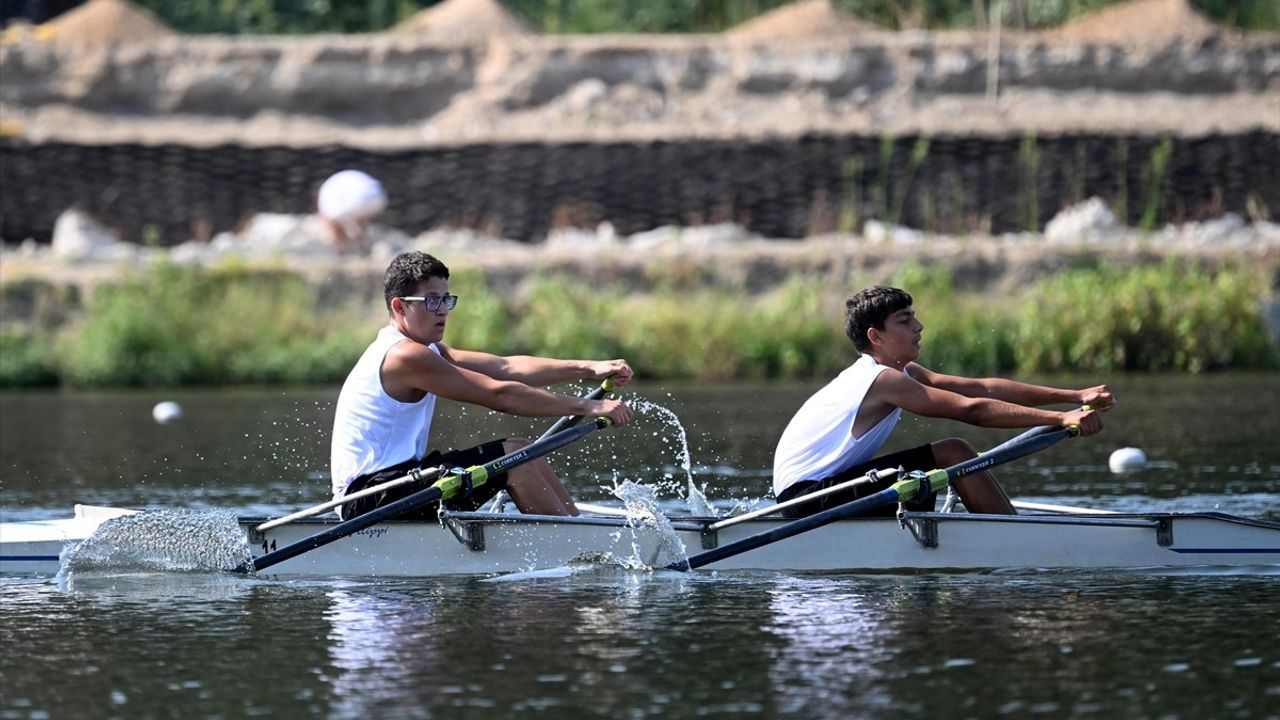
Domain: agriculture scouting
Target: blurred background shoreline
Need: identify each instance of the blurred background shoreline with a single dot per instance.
(473, 71)
(667, 155)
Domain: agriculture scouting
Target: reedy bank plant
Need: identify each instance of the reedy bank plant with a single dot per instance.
(171, 325)
(1172, 316)
(168, 325)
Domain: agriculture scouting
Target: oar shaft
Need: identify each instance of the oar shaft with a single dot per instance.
(870, 477)
(1008, 452)
(1033, 432)
(443, 489)
(569, 421)
(348, 527)
(316, 510)
(795, 527)
(539, 448)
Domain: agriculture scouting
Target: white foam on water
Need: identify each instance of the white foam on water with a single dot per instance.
(162, 540)
(586, 564)
(645, 517)
(694, 495)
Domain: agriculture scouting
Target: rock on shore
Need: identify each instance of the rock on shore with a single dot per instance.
(723, 254)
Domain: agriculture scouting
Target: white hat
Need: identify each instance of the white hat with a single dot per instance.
(351, 195)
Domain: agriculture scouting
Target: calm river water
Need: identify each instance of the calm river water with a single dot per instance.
(630, 644)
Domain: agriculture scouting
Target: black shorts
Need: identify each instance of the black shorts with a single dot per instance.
(478, 455)
(916, 458)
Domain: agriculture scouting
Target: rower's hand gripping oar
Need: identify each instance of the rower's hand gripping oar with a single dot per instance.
(443, 489)
(953, 497)
(915, 483)
(1033, 432)
(569, 421)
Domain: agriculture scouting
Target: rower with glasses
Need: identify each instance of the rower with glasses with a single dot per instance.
(382, 424)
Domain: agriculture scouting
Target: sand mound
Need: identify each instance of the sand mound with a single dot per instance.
(465, 21)
(103, 23)
(1141, 21)
(803, 19)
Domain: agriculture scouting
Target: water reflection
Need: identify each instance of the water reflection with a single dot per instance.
(141, 644)
(630, 644)
(812, 646)
(837, 644)
(379, 646)
(623, 639)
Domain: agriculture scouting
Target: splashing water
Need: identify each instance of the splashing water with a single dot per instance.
(694, 496)
(163, 540)
(644, 516)
(293, 443)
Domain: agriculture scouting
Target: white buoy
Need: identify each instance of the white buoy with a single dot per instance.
(167, 412)
(1127, 459)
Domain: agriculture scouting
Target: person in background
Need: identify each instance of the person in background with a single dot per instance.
(347, 202)
(834, 436)
(382, 424)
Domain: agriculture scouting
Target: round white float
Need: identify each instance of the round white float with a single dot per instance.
(1127, 459)
(167, 412)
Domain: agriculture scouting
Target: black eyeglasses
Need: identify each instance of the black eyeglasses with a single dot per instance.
(435, 302)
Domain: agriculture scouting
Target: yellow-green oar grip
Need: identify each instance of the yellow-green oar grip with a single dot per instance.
(1075, 429)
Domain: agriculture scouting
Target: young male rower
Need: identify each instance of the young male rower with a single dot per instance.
(383, 418)
(834, 436)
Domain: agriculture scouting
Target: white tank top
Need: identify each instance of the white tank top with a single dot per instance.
(371, 429)
(819, 441)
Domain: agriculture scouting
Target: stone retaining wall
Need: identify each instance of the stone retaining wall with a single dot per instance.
(779, 188)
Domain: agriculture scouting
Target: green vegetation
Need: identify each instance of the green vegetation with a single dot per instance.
(1167, 317)
(655, 16)
(168, 325)
(1155, 176)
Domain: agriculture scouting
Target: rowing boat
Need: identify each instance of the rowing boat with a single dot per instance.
(840, 538)
(502, 542)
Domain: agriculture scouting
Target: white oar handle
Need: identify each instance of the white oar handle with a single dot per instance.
(870, 477)
(427, 474)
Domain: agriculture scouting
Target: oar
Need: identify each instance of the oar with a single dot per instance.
(420, 476)
(561, 424)
(870, 477)
(953, 498)
(903, 490)
(443, 489)
(568, 421)
(1038, 430)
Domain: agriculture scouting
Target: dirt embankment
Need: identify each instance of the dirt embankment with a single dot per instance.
(465, 71)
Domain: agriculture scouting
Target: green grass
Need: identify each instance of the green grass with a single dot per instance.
(166, 326)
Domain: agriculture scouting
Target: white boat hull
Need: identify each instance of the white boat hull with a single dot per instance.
(488, 543)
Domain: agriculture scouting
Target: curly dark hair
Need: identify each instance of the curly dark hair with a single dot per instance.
(869, 309)
(408, 271)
